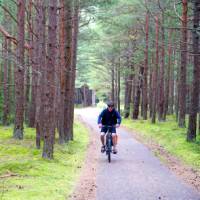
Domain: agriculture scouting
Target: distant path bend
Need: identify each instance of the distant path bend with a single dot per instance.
(134, 173)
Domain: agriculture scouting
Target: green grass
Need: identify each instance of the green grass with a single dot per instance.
(170, 136)
(39, 179)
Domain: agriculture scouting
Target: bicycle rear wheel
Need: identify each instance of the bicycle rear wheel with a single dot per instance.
(109, 150)
(109, 157)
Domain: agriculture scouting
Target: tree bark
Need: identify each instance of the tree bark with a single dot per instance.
(118, 85)
(128, 88)
(172, 84)
(74, 61)
(113, 83)
(39, 114)
(167, 82)
(155, 74)
(68, 68)
(133, 88)
(27, 89)
(177, 96)
(28, 63)
(49, 92)
(19, 73)
(199, 123)
(136, 106)
(162, 71)
(11, 83)
(62, 73)
(151, 85)
(182, 83)
(145, 86)
(194, 104)
(5, 84)
(35, 69)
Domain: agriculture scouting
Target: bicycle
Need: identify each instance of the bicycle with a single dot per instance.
(109, 142)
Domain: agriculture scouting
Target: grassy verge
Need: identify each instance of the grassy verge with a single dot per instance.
(170, 136)
(35, 178)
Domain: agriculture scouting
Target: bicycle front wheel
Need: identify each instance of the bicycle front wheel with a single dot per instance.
(109, 157)
(109, 150)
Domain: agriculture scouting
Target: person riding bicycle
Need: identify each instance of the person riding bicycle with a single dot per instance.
(109, 117)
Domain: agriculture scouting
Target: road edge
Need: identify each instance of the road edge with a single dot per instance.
(85, 188)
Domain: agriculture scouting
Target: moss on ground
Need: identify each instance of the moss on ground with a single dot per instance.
(170, 136)
(35, 178)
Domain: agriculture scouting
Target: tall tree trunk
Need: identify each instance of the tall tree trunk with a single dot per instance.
(62, 73)
(119, 85)
(128, 88)
(116, 84)
(27, 88)
(28, 62)
(172, 84)
(177, 93)
(5, 84)
(39, 115)
(194, 104)
(19, 73)
(133, 87)
(182, 83)
(74, 61)
(155, 74)
(1, 70)
(167, 84)
(49, 111)
(199, 123)
(151, 85)
(34, 80)
(68, 68)
(10, 82)
(6, 76)
(162, 71)
(145, 99)
(136, 106)
(113, 83)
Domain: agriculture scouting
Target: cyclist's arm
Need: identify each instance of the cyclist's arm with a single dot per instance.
(119, 119)
(100, 117)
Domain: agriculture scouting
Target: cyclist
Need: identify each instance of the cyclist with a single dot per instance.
(109, 117)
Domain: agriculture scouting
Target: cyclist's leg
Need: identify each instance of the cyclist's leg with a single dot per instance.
(114, 139)
(102, 138)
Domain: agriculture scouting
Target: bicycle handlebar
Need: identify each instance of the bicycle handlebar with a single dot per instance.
(106, 126)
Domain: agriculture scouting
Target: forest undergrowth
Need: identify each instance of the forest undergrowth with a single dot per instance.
(25, 175)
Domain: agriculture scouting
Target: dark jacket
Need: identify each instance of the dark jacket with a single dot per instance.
(109, 118)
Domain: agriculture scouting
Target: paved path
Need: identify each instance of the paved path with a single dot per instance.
(134, 173)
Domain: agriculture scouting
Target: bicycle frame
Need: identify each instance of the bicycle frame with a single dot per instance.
(109, 142)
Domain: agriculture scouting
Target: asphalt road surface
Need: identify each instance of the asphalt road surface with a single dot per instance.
(134, 173)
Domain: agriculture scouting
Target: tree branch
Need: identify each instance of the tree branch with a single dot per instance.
(13, 39)
(7, 11)
(86, 23)
(180, 18)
